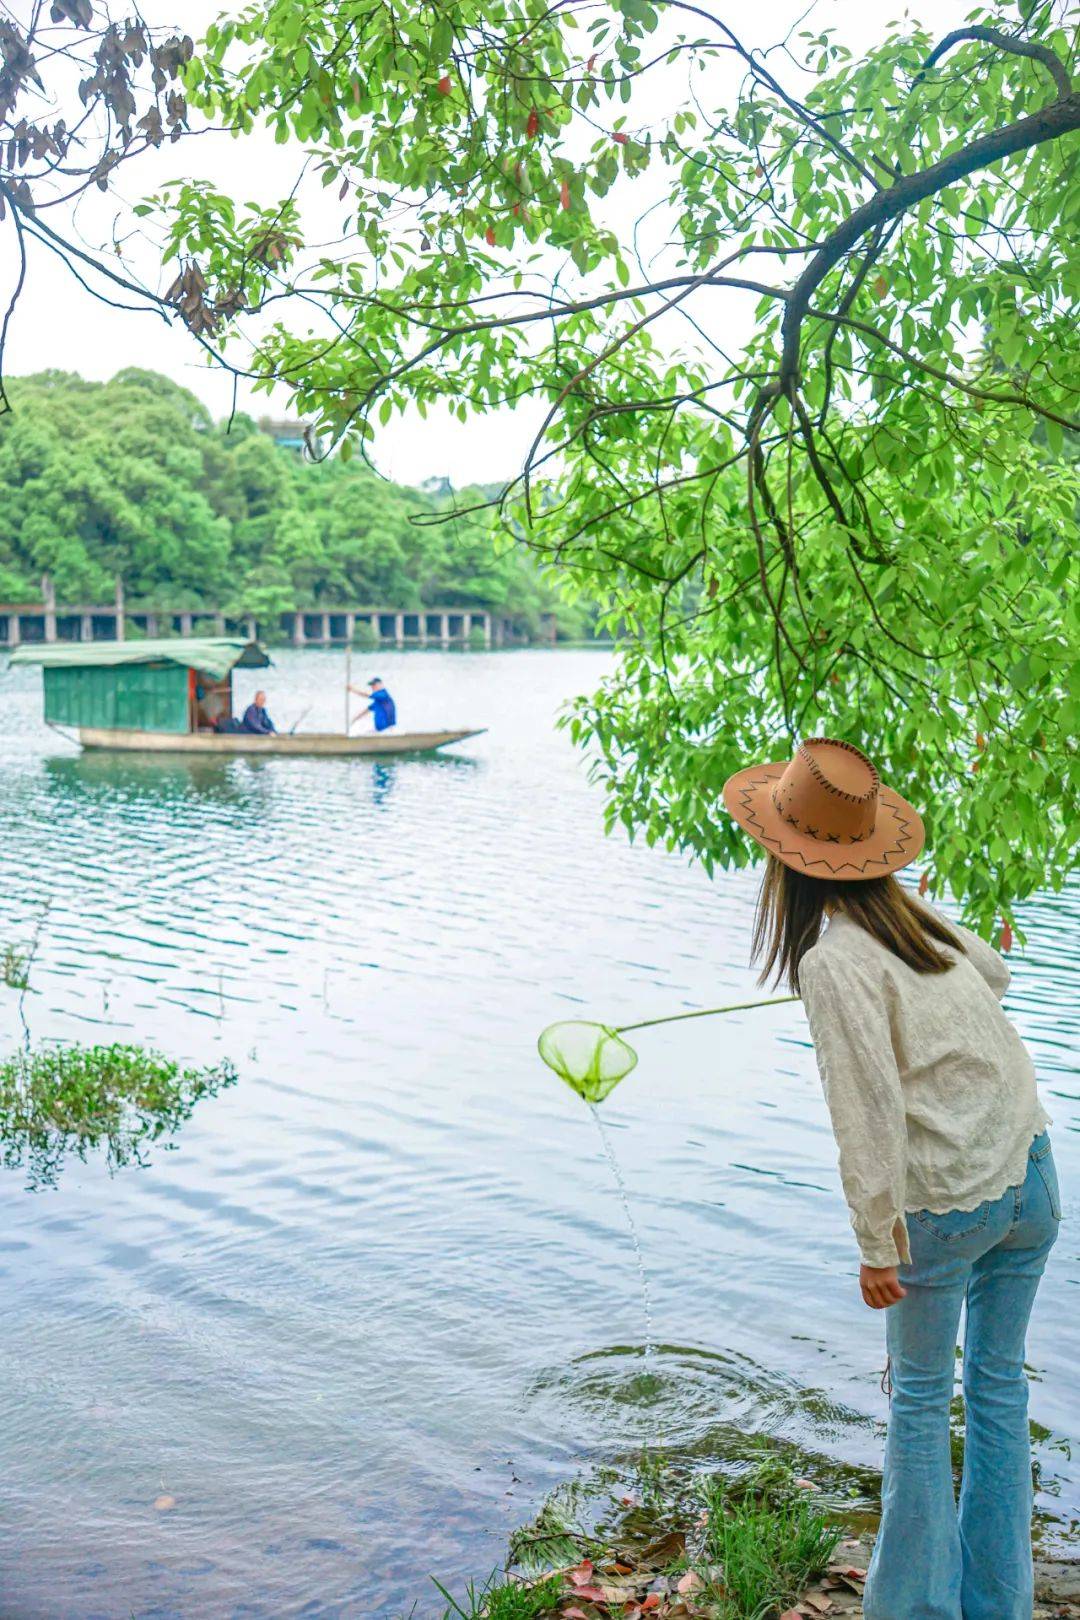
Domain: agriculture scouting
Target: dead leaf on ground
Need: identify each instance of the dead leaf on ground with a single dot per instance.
(664, 1551)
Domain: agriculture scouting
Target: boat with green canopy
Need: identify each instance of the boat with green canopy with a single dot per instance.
(168, 696)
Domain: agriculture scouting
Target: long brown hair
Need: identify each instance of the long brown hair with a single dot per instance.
(791, 908)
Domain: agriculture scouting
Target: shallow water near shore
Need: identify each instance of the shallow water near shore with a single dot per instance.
(380, 1298)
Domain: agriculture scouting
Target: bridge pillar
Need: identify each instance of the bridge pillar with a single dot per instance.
(185, 624)
(86, 627)
(151, 624)
(14, 630)
(118, 623)
(298, 635)
(399, 629)
(48, 596)
(444, 629)
(251, 627)
(326, 629)
(350, 627)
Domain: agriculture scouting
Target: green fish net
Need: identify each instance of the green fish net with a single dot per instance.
(591, 1058)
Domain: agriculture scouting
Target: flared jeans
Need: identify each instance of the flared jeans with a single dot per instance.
(935, 1559)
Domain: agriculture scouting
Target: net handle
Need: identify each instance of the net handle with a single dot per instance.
(705, 1012)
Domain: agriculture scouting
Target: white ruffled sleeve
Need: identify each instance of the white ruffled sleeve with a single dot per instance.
(849, 1024)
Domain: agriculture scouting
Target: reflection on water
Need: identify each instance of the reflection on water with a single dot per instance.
(380, 1299)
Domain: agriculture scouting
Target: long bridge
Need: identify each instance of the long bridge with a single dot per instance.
(48, 621)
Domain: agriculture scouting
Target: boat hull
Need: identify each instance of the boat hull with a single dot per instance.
(326, 743)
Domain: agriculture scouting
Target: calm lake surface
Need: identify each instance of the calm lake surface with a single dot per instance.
(379, 1300)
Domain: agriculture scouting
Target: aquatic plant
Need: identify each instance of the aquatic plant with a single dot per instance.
(56, 1101)
(15, 967)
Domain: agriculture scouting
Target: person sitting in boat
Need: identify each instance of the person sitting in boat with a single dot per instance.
(381, 705)
(256, 718)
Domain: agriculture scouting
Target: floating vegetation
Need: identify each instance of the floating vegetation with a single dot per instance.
(56, 1101)
(15, 967)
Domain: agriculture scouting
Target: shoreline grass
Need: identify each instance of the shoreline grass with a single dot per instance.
(718, 1547)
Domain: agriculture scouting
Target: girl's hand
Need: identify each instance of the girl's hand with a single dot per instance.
(880, 1287)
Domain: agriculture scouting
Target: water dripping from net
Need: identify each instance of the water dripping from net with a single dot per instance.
(643, 1276)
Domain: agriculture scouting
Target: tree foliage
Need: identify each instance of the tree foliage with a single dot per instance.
(802, 333)
(860, 518)
(81, 93)
(133, 478)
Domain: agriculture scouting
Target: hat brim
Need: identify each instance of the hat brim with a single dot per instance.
(896, 841)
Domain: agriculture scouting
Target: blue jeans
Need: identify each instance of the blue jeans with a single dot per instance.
(932, 1562)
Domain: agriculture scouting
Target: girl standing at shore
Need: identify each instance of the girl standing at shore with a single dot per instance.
(944, 1159)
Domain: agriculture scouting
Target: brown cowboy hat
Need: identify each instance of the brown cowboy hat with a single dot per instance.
(826, 813)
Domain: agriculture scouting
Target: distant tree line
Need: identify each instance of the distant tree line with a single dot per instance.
(133, 477)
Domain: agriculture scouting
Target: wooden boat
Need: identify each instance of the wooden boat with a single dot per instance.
(164, 696)
(327, 743)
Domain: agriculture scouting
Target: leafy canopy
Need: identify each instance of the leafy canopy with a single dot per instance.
(800, 331)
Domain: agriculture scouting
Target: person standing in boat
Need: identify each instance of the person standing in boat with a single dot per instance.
(944, 1157)
(381, 705)
(256, 718)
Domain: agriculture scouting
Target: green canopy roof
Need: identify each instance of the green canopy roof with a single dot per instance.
(214, 654)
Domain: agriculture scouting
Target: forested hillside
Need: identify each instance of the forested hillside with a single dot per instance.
(133, 477)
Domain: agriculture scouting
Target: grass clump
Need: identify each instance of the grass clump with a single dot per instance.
(56, 1101)
(506, 1600)
(768, 1550)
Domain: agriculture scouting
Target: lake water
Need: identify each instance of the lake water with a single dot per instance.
(380, 1299)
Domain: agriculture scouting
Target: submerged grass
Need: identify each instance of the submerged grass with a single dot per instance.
(56, 1101)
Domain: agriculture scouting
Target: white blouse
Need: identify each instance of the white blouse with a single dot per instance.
(930, 1088)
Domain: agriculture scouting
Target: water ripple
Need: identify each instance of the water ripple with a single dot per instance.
(389, 1271)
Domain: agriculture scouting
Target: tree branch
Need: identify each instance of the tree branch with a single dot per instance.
(1048, 124)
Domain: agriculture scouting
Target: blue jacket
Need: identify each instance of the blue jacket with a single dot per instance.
(257, 720)
(382, 707)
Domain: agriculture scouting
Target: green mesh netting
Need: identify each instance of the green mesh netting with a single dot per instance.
(591, 1058)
